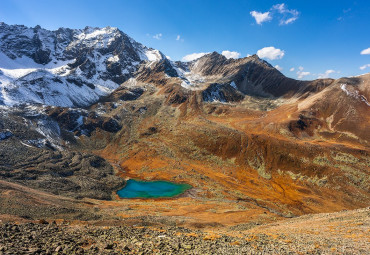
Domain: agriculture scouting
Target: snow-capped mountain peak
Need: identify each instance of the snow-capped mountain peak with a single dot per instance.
(66, 67)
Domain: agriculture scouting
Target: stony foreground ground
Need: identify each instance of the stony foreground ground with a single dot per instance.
(344, 232)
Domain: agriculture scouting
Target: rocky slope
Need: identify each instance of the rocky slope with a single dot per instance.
(301, 235)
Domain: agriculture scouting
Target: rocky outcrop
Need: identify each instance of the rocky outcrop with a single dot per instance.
(73, 174)
(221, 93)
(82, 122)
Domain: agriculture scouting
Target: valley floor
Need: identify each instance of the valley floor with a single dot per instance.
(345, 232)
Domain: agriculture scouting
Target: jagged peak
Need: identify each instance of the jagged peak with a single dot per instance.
(217, 57)
(257, 59)
(254, 56)
(213, 55)
(107, 28)
(22, 27)
(88, 29)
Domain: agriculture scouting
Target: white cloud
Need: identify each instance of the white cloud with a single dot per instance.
(231, 54)
(194, 56)
(364, 66)
(261, 17)
(287, 16)
(280, 11)
(288, 21)
(270, 53)
(292, 69)
(248, 55)
(302, 74)
(326, 74)
(158, 36)
(365, 51)
(279, 7)
(278, 68)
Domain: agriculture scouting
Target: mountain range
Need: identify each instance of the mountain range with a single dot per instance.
(84, 109)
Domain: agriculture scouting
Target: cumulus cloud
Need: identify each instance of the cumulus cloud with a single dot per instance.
(261, 17)
(270, 53)
(364, 66)
(287, 16)
(278, 68)
(280, 11)
(292, 69)
(194, 56)
(365, 51)
(231, 54)
(301, 74)
(326, 74)
(158, 36)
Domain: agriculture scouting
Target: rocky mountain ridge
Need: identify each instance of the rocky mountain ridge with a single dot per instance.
(78, 67)
(66, 67)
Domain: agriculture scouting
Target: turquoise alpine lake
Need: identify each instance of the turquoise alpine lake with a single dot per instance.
(151, 189)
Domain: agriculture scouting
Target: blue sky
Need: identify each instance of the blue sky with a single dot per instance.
(313, 37)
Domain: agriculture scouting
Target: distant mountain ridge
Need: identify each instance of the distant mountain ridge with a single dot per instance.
(78, 67)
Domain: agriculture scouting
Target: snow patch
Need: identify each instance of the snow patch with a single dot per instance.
(113, 59)
(354, 93)
(153, 55)
(96, 37)
(192, 81)
(25, 63)
(16, 73)
(26, 144)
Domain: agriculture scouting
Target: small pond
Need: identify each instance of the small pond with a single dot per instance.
(151, 189)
